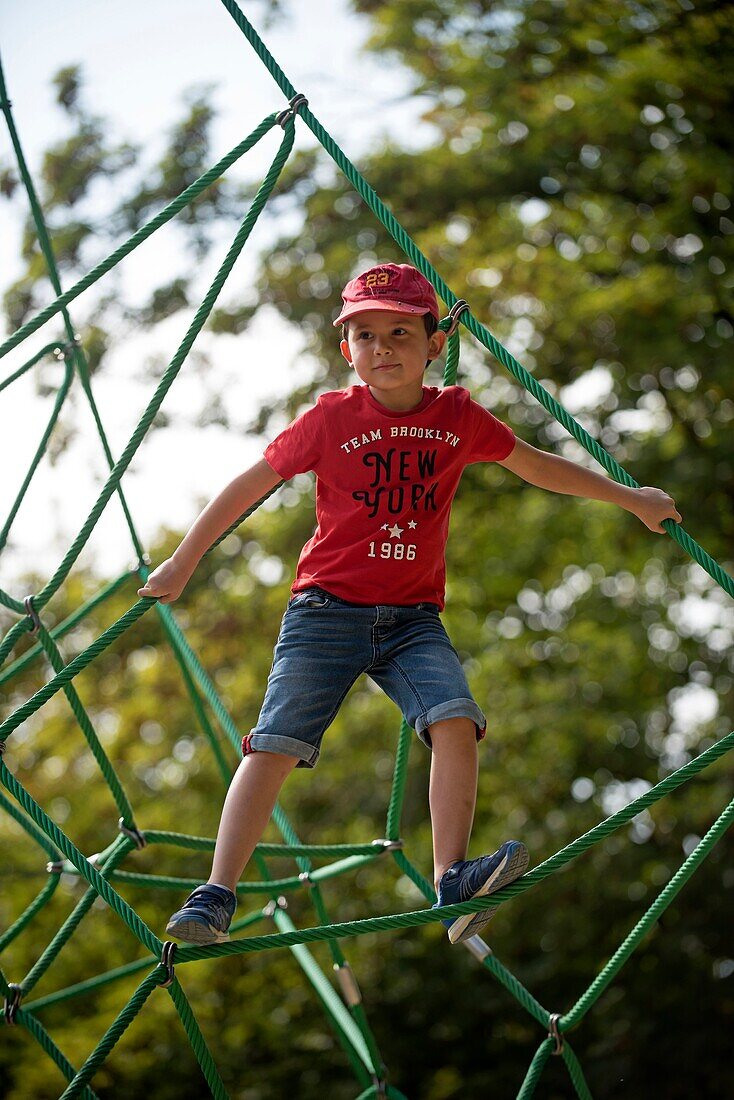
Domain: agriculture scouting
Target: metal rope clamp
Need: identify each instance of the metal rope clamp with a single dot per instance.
(454, 315)
(295, 103)
(350, 989)
(273, 905)
(12, 1003)
(134, 834)
(167, 954)
(554, 1032)
(64, 351)
(31, 611)
(387, 845)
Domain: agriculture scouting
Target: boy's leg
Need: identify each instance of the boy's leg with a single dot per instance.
(247, 808)
(206, 914)
(453, 789)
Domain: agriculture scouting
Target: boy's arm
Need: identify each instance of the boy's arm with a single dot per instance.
(170, 578)
(550, 471)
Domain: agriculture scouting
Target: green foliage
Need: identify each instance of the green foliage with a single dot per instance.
(8, 182)
(576, 194)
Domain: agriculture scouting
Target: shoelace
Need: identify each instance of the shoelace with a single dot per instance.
(207, 899)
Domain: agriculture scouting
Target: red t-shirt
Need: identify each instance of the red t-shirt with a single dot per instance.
(385, 483)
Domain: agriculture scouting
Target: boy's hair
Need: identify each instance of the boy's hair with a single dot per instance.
(429, 321)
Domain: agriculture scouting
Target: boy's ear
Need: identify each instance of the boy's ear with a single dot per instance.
(436, 343)
(344, 349)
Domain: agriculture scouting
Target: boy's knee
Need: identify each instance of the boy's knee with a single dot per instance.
(270, 761)
(446, 731)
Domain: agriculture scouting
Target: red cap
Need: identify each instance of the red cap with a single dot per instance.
(395, 288)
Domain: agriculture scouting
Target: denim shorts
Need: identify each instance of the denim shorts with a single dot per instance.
(325, 643)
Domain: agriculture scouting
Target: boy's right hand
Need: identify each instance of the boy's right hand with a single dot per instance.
(167, 582)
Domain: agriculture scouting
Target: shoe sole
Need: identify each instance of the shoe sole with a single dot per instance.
(513, 865)
(193, 931)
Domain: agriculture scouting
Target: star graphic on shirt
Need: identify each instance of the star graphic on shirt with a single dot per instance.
(412, 524)
(396, 532)
(385, 527)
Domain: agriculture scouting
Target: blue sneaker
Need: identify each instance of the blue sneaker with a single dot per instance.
(205, 916)
(475, 878)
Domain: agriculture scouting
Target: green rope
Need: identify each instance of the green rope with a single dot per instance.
(68, 672)
(206, 844)
(171, 372)
(85, 724)
(72, 853)
(90, 984)
(119, 850)
(76, 353)
(293, 882)
(400, 778)
(348, 1032)
(25, 823)
(58, 405)
(644, 925)
(40, 1034)
(535, 1069)
(47, 350)
(64, 627)
(113, 1034)
(184, 199)
(198, 1043)
(350, 1024)
(575, 1072)
(30, 912)
(478, 330)
(225, 770)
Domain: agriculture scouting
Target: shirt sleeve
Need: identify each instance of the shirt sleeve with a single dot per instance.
(298, 448)
(492, 440)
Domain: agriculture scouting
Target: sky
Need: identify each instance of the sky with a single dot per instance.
(138, 59)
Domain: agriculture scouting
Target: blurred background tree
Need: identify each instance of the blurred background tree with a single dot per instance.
(577, 193)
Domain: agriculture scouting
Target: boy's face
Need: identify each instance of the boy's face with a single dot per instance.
(389, 352)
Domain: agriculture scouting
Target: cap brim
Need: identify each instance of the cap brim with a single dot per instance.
(378, 306)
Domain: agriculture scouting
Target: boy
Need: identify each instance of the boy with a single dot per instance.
(388, 456)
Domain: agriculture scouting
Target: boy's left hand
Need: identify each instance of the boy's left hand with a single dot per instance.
(652, 506)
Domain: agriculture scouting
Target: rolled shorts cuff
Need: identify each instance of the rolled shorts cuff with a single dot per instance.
(452, 708)
(288, 746)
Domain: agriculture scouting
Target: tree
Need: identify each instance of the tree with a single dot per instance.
(576, 194)
(596, 240)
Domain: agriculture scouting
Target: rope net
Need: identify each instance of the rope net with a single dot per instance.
(344, 1010)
